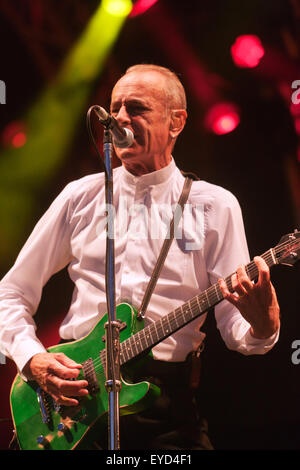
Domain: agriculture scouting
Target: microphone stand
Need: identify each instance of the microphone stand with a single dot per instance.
(112, 327)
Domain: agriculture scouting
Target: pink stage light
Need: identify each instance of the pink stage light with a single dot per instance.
(295, 110)
(222, 118)
(247, 51)
(141, 6)
(14, 135)
(297, 125)
(19, 140)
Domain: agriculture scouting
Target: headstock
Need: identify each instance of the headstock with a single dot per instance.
(288, 249)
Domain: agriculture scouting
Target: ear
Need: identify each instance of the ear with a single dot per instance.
(177, 123)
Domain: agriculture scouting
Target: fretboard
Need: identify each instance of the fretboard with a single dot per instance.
(159, 330)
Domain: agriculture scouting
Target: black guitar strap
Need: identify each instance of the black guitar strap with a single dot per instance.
(165, 248)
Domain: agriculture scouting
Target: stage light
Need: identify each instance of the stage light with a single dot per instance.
(297, 125)
(222, 118)
(32, 157)
(19, 140)
(117, 7)
(225, 124)
(247, 51)
(295, 110)
(14, 135)
(141, 6)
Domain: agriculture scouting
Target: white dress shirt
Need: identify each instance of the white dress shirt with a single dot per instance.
(209, 244)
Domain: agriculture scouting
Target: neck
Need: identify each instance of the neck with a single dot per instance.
(141, 167)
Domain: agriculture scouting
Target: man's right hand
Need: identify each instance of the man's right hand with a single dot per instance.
(55, 373)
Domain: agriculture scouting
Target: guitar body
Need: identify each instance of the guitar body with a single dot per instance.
(39, 424)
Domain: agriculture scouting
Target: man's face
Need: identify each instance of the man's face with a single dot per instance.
(139, 104)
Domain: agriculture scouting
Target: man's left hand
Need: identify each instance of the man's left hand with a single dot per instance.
(257, 302)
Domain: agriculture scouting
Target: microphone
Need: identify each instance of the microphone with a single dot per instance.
(122, 137)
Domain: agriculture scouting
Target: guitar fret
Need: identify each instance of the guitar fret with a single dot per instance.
(166, 327)
(218, 292)
(138, 344)
(191, 308)
(273, 257)
(144, 339)
(122, 355)
(172, 321)
(198, 302)
(153, 341)
(176, 319)
(206, 294)
(124, 352)
(129, 349)
(155, 325)
(204, 303)
(185, 312)
(133, 346)
(148, 336)
(168, 320)
(158, 328)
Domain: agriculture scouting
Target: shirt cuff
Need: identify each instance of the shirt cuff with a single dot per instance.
(25, 352)
(262, 345)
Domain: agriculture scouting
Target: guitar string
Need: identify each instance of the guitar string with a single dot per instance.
(174, 323)
(252, 270)
(195, 310)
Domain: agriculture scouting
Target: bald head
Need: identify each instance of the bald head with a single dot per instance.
(173, 89)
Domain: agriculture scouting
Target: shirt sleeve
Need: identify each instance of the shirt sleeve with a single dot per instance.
(226, 249)
(46, 252)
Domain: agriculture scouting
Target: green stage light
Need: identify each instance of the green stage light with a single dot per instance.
(50, 127)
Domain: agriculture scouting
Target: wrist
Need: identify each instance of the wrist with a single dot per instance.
(264, 331)
(27, 369)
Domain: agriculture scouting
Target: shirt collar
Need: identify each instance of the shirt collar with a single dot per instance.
(153, 178)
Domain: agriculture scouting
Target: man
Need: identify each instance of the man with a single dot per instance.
(150, 101)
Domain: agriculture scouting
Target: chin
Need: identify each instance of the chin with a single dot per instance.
(124, 154)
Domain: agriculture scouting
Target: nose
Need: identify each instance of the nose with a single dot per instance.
(122, 116)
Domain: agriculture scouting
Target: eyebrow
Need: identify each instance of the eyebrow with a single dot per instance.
(130, 101)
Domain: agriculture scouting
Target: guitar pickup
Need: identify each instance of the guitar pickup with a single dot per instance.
(44, 405)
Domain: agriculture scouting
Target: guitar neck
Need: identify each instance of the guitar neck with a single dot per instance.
(156, 332)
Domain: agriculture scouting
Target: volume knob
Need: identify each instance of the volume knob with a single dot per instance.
(61, 427)
(41, 440)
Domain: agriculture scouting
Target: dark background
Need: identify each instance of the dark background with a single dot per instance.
(250, 402)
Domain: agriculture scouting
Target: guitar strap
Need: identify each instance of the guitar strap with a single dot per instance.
(165, 247)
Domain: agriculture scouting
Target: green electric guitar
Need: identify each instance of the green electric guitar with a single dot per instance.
(40, 423)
